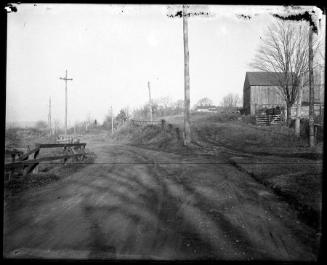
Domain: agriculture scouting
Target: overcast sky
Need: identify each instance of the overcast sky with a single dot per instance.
(112, 51)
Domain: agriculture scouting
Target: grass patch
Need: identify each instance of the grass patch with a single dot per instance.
(230, 130)
(19, 183)
(298, 182)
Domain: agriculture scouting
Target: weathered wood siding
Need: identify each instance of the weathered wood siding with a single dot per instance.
(265, 96)
(318, 92)
(246, 96)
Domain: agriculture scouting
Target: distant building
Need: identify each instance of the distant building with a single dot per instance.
(261, 90)
(209, 108)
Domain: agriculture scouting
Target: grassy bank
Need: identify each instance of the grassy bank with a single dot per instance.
(297, 181)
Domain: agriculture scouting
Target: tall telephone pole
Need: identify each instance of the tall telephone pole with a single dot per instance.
(49, 117)
(66, 79)
(322, 36)
(298, 107)
(150, 101)
(311, 91)
(187, 127)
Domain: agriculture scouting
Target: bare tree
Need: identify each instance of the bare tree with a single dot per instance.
(179, 106)
(204, 102)
(284, 50)
(122, 116)
(231, 100)
(164, 102)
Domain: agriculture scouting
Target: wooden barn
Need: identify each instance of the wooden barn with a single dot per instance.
(261, 90)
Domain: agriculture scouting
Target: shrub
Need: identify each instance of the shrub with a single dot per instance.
(41, 125)
(224, 117)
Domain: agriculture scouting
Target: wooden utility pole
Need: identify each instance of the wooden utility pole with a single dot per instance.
(66, 79)
(49, 117)
(322, 36)
(311, 91)
(112, 121)
(150, 101)
(187, 127)
(298, 108)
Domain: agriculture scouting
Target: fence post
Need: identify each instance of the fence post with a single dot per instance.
(65, 152)
(36, 168)
(83, 151)
(13, 157)
(177, 133)
(163, 123)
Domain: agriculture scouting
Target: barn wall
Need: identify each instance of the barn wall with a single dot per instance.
(265, 96)
(319, 94)
(246, 96)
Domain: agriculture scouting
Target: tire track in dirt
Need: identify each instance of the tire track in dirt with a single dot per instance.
(232, 190)
(149, 209)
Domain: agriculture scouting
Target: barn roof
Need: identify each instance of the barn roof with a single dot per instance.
(264, 78)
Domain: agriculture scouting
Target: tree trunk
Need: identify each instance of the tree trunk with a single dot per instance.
(288, 110)
(187, 127)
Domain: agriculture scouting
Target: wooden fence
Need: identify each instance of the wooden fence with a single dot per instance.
(266, 120)
(144, 123)
(22, 162)
(13, 153)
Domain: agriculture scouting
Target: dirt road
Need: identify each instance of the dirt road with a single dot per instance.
(138, 203)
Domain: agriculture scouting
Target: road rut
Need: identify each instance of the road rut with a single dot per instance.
(137, 203)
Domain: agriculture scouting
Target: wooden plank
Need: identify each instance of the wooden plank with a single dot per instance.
(30, 168)
(26, 155)
(35, 167)
(35, 161)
